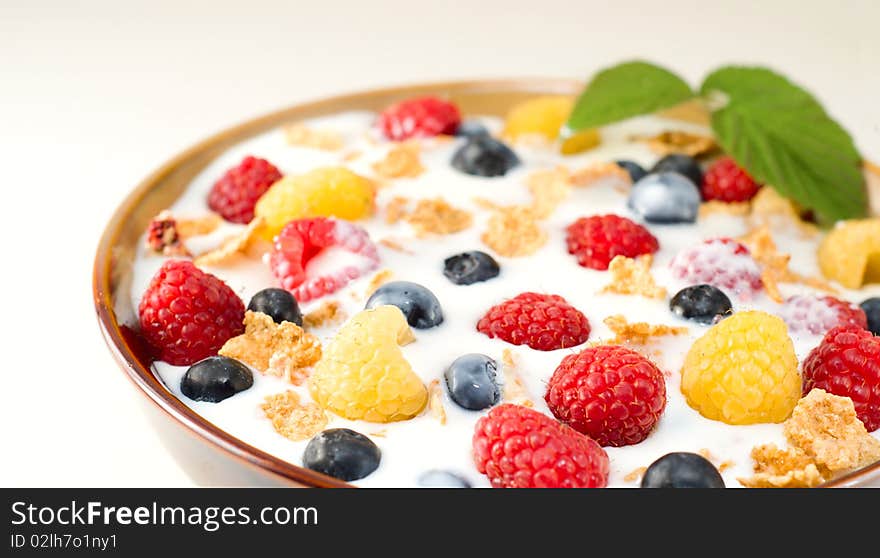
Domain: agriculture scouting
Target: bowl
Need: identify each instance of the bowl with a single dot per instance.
(209, 455)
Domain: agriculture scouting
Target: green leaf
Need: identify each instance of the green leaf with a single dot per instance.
(626, 90)
(784, 138)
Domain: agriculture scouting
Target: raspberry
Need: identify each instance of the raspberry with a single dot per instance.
(743, 371)
(303, 240)
(545, 116)
(187, 314)
(726, 181)
(596, 240)
(847, 363)
(363, 375)
(543, 322)
(322, 192)
(722, 263)
(517, 447)
(850, 253)
(422, 117)
(237, 191)
(818, 314)
(610, 393)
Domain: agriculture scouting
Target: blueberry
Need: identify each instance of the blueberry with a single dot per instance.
(872, 310)
(666, 197)
(682, 470)
(418, 304)
(342, 453)
(484, 156)
(704, 304)
(682, 164)
(635, 170)
(470, 267)
(215, 378)
(471, 382)
(471, 128)
(277, 303)
(436, 478)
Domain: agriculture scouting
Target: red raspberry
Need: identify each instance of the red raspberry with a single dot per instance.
(237, 191)
(517, 447)
(610, 393)
(726, 181)
(422, 117)
(302, 240)
(818, 314)
(187, 314)
(721, 262)
(847, 363)
(541, 321)
(596, 240)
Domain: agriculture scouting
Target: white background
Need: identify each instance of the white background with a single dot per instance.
(94, 95)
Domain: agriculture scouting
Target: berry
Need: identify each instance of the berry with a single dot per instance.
(471, 383)
(610, 393)
(421, 117)
(703, 304)
(418, 304)
(470, 267)
(666, 197)
(236, 193)
(342, 453)
(722, 263)
(596, 240)
(471, 128)
(545, 117)
(635, 170)
(363, 375)
(682, 470)
(484, 156)
(871, 308)
(215, 379)
(850, 253)
(436, 478)
(543, 322)
(517, 447)
(322, 192)
(847, 363)
(187, 314)
(818, 314)
(277, 303)
(726, 181)
(682, 164)
(304, 240)
(743, 371)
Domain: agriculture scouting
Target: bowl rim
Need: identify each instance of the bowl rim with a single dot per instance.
(146, 381)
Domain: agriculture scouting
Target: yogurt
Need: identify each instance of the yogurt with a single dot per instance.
(410, 448)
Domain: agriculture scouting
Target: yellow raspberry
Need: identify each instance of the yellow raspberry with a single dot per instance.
(322, 192)
(545, 116)
(743, 371)
(850, 254)
(363, 375)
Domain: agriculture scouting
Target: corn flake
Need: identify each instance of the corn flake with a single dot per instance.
(401, 161)
(514, 232)
(675, 141)
(595, 171)
(292, 419)
(199, 226)
(438, 217)
(737, 209)
(435, 401)
(632, 276)
(378, 280)
(232, 246)
(328, 313)
(303, 136)
(638, 333)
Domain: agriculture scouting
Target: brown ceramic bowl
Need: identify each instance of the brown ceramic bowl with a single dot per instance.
(208, 454)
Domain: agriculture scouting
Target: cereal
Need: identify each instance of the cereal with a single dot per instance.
(392, 244)
(198, 226)
(826, 437)
(401, 161)
(303, 136)
(675, 141)
(396, 209)
(283, 349)
(596, 171)
(713, 207)
(435, 401)
(508, 358)
(377, 281)
(549, 187)
(638, 333)
(233, 245)
(438, 217)
(514, 232)
(635, 475)
(513, 388)
(770, 208)
(632, 276)
(292, 419)
(328, 313)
